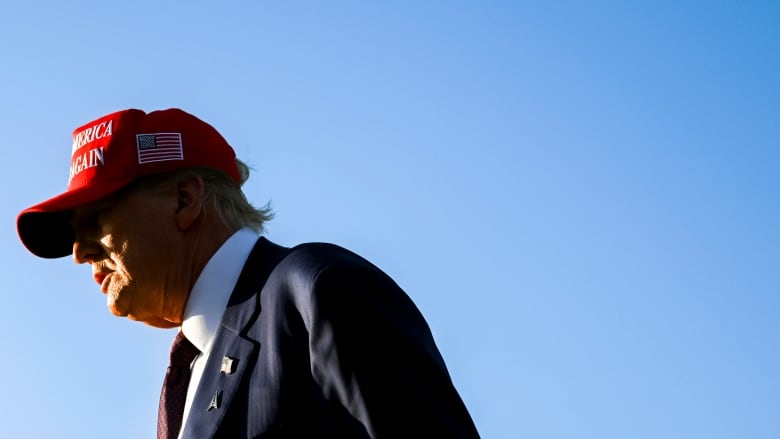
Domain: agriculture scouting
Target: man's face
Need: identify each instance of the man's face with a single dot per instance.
(132, 244)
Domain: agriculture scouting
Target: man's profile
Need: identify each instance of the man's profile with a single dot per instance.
(308, 341)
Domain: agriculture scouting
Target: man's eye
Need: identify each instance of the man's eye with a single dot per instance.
(100, 216)
(89, 219)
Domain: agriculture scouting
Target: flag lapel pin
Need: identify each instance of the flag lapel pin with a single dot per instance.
(227, 366)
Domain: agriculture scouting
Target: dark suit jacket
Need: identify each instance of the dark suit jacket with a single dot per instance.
(322, 344)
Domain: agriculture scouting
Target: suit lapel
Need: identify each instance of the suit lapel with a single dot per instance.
(217, 386)
(231, 352)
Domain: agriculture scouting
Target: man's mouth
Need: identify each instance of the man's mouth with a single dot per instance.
(100, 278)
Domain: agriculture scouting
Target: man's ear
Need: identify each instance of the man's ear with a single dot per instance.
(191, 199)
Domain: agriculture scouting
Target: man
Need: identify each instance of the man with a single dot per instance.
(310, 341)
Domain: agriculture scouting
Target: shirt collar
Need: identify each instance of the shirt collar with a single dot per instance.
(211, 292)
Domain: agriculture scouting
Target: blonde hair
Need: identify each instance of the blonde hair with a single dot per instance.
(225, 196)
(230, 202)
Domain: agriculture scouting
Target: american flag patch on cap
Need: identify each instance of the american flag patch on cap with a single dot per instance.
(159, 147)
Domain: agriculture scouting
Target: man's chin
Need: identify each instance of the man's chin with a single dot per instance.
(156, 322)
(149, 320)
(160, 323)
(119, 309)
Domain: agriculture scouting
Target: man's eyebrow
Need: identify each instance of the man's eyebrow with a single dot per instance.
(89, 212)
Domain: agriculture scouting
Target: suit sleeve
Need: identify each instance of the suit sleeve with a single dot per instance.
(372, 351)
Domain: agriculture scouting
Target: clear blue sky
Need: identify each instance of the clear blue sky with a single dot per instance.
(582, 197)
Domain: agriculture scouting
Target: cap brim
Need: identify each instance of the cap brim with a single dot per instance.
(45, 228)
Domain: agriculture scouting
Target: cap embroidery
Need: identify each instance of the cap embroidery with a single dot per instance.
(159, 147)
(92, 133)
(89, 159)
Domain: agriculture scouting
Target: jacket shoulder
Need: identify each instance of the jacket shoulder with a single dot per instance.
(321, 255)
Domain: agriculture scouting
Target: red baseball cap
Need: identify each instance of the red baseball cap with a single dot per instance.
(111, 152)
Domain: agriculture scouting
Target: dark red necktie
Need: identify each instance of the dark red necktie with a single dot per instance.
(174, 390)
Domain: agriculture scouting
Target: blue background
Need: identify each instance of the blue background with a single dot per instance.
(581, 197)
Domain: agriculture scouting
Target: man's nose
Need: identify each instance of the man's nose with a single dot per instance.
(86, 250)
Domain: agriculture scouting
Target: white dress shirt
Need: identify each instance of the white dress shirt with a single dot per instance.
(207, 302)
